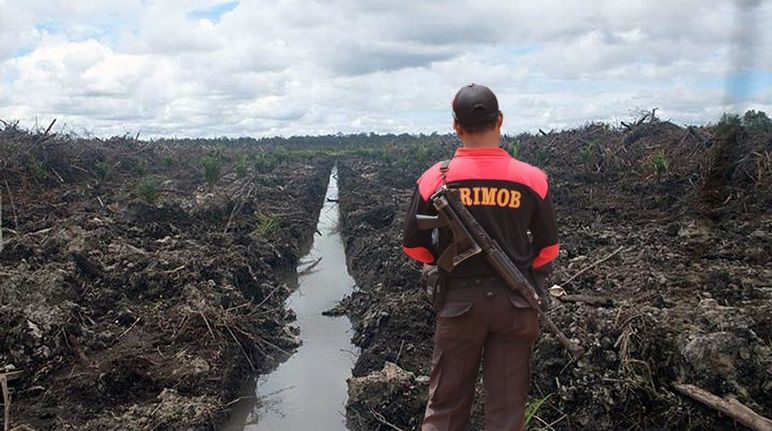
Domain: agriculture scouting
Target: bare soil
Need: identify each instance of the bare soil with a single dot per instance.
(135, 295)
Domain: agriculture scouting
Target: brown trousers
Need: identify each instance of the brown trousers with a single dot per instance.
(481, 319)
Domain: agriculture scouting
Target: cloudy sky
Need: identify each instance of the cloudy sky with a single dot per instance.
(291, 67)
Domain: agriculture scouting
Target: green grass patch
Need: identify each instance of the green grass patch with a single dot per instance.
(147, 190)
(267, 224)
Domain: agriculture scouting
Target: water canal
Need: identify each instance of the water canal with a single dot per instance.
(308, 391)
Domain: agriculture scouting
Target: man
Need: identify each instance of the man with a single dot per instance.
(481, 319)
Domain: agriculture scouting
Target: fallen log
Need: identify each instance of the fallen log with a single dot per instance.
(600, 301)
(728, 406)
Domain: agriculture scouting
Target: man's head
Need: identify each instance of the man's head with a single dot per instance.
(476, 113)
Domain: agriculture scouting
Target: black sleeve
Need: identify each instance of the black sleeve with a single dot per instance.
(544, 228)
(417, 243)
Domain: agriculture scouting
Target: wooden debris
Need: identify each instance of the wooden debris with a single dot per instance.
(13, 207)
(379, 417)
(600, 301)
(4, 378)
(130, 328)
(728, 406)
(597, 262)
(45, 136)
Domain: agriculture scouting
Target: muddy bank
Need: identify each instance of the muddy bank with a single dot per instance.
(690, 289)
(139, 281)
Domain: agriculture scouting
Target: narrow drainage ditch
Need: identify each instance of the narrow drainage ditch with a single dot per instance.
(308, 390)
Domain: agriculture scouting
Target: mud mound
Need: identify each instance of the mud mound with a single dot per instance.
(390, 392)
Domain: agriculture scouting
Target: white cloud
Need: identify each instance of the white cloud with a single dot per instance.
(307, 67)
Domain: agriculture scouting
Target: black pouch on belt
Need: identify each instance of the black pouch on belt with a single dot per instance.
(435, 288)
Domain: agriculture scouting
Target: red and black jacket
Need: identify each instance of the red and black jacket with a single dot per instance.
(508, 197)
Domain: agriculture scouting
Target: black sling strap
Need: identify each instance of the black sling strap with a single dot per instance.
(444, 169)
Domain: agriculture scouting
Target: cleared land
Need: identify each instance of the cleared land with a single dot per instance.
(141, 282)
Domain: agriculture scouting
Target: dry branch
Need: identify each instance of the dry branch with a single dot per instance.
(6, 403)
(379, 417)
(601, 301)
(45, 135)
(244, 352)
(13, 207)
(130, 328)
(728, 406)
(597, 262)
(242, 200)
(203, 316)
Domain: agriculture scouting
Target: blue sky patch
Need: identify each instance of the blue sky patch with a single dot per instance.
(214, 13)
(106, 28)
(21, 52)
(742, 86)
(51, 27)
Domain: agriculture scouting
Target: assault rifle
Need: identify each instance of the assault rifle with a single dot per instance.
(470, 239)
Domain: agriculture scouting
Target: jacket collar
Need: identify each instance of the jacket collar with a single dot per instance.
(481, 152)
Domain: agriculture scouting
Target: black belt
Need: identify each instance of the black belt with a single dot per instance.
(452, 283)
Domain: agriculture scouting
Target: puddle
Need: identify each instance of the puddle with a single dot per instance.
(308, 391)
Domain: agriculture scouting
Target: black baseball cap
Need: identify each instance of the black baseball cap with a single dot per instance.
(475, 104)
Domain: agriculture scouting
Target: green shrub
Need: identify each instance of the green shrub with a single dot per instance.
(756, 120)
(212, 168)
(37, 169)
(281, 155)
(240, 166)
(588, 152)
(140, 168)
(147, 190)
(263, 163)
(541, 155)
(102, 170)
(422, 154)
(728, 121)
(168, 162)
(661, 164)
(514, 148)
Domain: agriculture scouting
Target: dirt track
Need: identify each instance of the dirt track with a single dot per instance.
(134, 295)
(690, 288)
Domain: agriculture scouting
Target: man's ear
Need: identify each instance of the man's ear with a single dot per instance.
(459, 130)
(500, 120)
